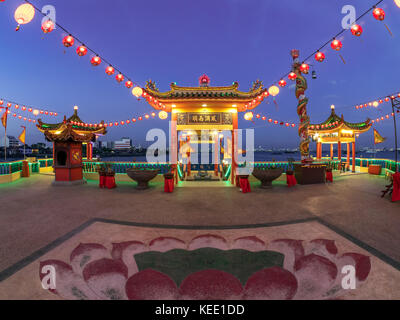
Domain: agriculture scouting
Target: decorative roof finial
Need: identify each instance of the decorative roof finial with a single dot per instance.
(204, 81)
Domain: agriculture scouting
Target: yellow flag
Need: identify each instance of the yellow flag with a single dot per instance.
(4, 119)
(378, 138)
(22, 136)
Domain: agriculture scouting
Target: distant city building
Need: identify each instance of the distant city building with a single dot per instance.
(101, 144)
(123, 144)
(110, 144)
(11, 142)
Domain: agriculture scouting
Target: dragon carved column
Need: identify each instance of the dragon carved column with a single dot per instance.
(301, 87)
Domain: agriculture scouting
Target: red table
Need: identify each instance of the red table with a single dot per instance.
(329, 176)
(110, 182)
(396, 187)
(244, 184)
(291, 180)
(169, 185)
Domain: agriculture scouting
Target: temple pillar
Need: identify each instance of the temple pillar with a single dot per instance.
(216, 154)
(319, 157)
(354, 157)
(234, 146)
(331, 151)
(173, 145)
(339, 151)
(348, 155)
(189, 164)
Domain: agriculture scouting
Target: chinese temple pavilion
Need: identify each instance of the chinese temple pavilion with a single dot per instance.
(69, 137)
(204, 107)
(335, 130)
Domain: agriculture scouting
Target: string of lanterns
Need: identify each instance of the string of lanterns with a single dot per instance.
(375, 103)
(336, 44)
(385, 117)
(25, 14)
(249, 116)
(33, 110)
(20, 117)
(108, 124)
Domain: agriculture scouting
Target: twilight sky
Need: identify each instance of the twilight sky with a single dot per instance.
(178, 40)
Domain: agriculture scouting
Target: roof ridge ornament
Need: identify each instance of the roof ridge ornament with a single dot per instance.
(258, 84)
(204, 81)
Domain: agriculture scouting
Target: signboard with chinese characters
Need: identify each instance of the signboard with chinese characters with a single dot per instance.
(215, 118)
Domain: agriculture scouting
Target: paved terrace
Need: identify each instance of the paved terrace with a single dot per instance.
(33, 213)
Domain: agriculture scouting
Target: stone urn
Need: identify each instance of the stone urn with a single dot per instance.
(266, 176)
(142, 176)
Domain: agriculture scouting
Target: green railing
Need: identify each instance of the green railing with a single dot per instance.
(121, 167)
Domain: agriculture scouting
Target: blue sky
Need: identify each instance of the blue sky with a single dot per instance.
(178, 40)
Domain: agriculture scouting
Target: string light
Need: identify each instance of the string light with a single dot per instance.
(35, 111)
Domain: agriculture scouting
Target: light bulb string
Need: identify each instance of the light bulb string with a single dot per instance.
(330, 40)
(4, 102)
(83, 43)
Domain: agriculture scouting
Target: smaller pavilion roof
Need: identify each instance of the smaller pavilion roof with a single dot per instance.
(335, 123)
(71, 129)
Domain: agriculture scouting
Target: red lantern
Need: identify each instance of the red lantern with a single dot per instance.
(129, 84)
(282, 83)
(9, 105)
(68, 41)
(81, 51)
(378, 14)
(264, 118)
(95, 61)
(356, 30)
(140, 118)
(110, 70)
(292, 76)
(304, 68)
(48, 26)
(119, 77)
(320, 56)
(133, 120)
(336, 45)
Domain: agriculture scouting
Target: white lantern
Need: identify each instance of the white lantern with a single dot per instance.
(163, 115)
(273, 91)
(248, 116)
(137, 92)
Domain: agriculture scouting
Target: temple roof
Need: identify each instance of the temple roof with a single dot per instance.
(71, 129)
(334, 123)
(204, 92)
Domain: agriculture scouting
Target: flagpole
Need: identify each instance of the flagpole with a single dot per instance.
(5, 136)
(395, 136)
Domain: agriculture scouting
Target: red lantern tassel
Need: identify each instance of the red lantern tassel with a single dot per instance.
(276, 104)
(390, 32)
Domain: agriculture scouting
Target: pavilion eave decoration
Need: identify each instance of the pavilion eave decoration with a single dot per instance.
(204, 93)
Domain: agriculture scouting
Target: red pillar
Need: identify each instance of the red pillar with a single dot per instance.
(331, 151)
(216, 151)
(234, 146)
(348, 154)
(173, 145)
(189, 165)
(319, 151)
(354, 157)
(339, 150)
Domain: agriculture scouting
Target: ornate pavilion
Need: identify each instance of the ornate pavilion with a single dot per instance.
(335, 130)
(204, 108)
(69, 137)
